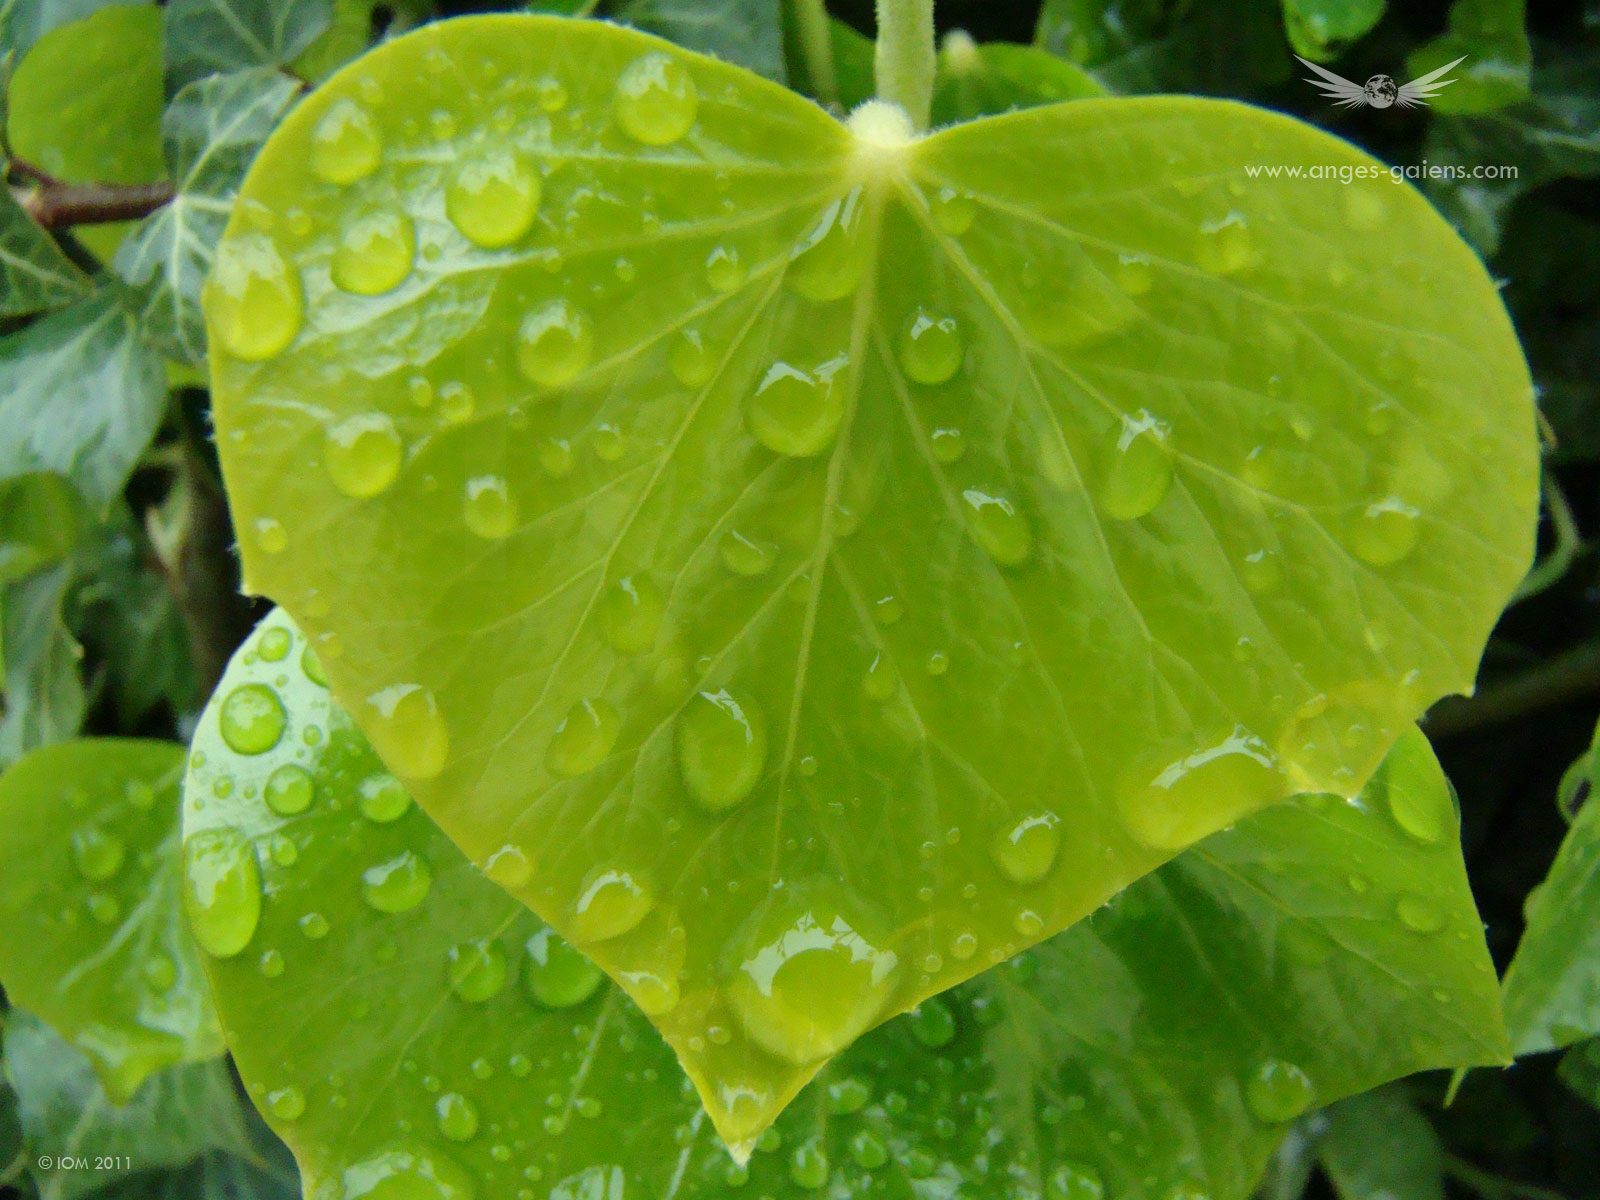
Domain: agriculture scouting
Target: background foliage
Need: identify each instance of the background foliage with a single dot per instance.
(129, 126)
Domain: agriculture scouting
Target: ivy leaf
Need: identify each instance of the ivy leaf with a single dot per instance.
(177, 1115)
(1324, 29)
(85, 103)
(34, 274)
(24, 22)
(81, 394)
(978, 80)
(212, 130)
(1493, 36)
(1379, 1147)
(758, 501)
(92, 939)
(747, 32)
(42, 518)
(1160, 1047)
(1552, 987)
(44, 698)
(210, 37)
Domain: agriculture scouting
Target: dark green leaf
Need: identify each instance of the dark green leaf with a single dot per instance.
(34, 273)
(178, 1114)
(266, 1171)
(1580, 1070)
(854, 75)
(44, 697)
(24, 22)
(41, 519)
(212, 130)
(1324, 29)
(1379, 1147)
(747, 32)
(975, 81)
(1492, 36)
(81, 394)
(207, 37)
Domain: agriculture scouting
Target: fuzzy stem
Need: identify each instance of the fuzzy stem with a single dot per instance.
(905, 59)
(816, 47)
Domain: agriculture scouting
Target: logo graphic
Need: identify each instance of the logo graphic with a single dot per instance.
(1380, 91)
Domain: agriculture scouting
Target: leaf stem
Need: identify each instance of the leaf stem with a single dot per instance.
(816, 47)
(1495, 1187)
(1569, 544)
(905, 59)
(58, 205)
(1572, 673)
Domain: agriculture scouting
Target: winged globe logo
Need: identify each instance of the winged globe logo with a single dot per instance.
(1381, 91)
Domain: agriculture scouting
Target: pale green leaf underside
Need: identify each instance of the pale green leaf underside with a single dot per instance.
(91, 937)
(1166, 1041)
(34, 273)
(1224, 482)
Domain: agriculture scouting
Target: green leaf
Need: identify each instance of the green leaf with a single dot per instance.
(1493, 37)
(209, 37)
(747, 32)
(85, 105)
(1379, 1147)
(1580, 1070)
(1167, 1040)
(978, 80)
(1552, 987)
(24, 22)
(81, 394)
(34, 273)
(264, 1171)
(1324, 29)
(212, 129)
(1092, 32)
(41, 519)
(177, 1115)
(788, 505)
(44, 698)
(854, 74)
(91, 936)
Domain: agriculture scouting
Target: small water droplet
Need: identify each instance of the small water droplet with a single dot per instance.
(1136, 472)
(1026, 851)
(1074, 1181)
(374, 254)
(397, 884)
(104, 908)
(656, 99)
(930, 347)
(610, 902)
(288, 790)
(382, 798)
(492, 198)
(97, 853)
(948, 445)
(691, 361)
(808, 1166)
(722, 747)
(1225, 246)
(362, 454)
(1385, 531)
(933, 1023)
(745, 555)
(554, 344)
(953, 211)
(829, 260)
(796, 412)
(583, 739)
(1133, 273)
(407, 730)
(630, 614)
(725, 270)
(271, 536)
(488, 508)
(345, 143)
(1364, 210)
(1419, 914)
(407, 1173)
(557, 975)
(1277, 1092)
(457, 1117)
(998, 526)
(510, 866)
(477, 970)
(286, 1103)
(221, 890)
(1193, 795)
(251, 719)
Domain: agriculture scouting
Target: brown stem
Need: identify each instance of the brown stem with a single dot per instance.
(1569, 675)
(58, 205)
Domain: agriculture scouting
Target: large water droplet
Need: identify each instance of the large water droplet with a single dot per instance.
(274, 644)
(1418, 802)
(1385, 531)
(584, 738)
(362, 454)
(492, 198)
(796, 412)
(510, 866)
(407, 1173)
(97, 853)
(810, 973)
(1419, 914)
(630, 614)
(374, 254)
(998, 526)
(251, 719)
(953, 211)
(382, 798)
(1225, 246)
(1278, 1091)
(408, 731)
(345, 144)
(725, 270)
(610, 902)
(722, 747)
(457, 1117)
(557, 975)
(808, 1166)
(286, 1103)
(253, 298)
(1199, 792)
(488, 507)
(288, 790)
(554, 344)
(1137, 470)
(691, 360)
(746, 555)
(930, 347)
(828, 263)
(932, 1023)
(397, 884)
(1027, 850)
(656, 99)
(477, 970)
(221, 890)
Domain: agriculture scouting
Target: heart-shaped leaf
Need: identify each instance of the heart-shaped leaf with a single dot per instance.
(91, 937)
(399, 1018)
(808, 564)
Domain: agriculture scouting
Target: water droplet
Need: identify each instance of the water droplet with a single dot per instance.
(1196, 794)
(1277, 1092)
(722, 747)
(930, 347)
(963, 946)
(745, 555)
(808, 1165)
(1027, 850)
(796, 412)
(374, 254)
(557, 975)
(1133, 274)
(492, 198)
(887, 610)
(477, 970)
(382, 798)
(1225, 246)
(1385, 531)
(610, 902)
(510, 866)
(97, 853)
(407, 730)
(1074, 1181)
(630, 614)
(312, 666)
(406, 1173)
(1421, 807)
(253, 298)
(362, 454)
(457, 1117)
(551, 95)
(160, 973)
(397, 884)
(288, 790)
(656, 99)
(271, 536)
(554, 344)
(221, 890)
(251, 719)
(725, 270)
(488, 508)
(882, 681)
(104, 908)
(998, 527)
(1419, 914)
(286, 1103)
(948, 445)
(953, 211)
(583, 739)
(270, 964)
(1137, 471)
(691, 361)
(345, 144)
(1364, 210)
(932, 1023)
(283, 850)
(813, 973)
(828, 262)
(274, 643)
